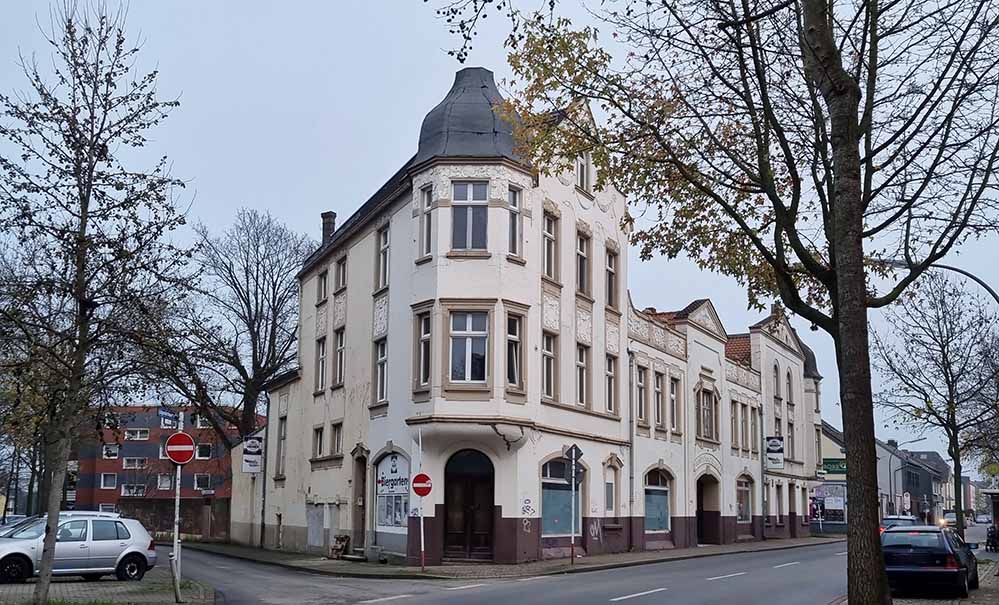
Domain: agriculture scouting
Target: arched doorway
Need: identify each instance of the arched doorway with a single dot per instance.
(468, 506)
(708, 510)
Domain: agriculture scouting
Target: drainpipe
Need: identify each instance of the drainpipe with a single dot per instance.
(631, 443)
(263, 487)
(764, 488)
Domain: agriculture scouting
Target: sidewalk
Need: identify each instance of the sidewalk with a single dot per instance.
(154, 589)
(332, 567)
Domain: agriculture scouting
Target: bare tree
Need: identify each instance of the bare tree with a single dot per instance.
(239, 330)
(935, 356)
(796, 145)
(87, 234)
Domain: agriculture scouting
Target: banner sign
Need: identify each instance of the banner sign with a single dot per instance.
(775, 452)
(253, 454)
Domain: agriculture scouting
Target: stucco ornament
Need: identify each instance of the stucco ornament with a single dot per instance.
(742, 376)
(584, 325)
(613, 337)
(321, 321)
(659, 337)
(380, 324)
(702, 317)
(339, 310)
(552, 311)
(637, 325)
(676, 344)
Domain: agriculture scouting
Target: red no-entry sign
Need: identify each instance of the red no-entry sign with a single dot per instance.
(422, 484)
(180, 448)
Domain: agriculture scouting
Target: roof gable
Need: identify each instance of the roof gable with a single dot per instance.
(702, 313)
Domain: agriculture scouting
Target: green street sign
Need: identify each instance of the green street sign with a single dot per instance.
(834, 466)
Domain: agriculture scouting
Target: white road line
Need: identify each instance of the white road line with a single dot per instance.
(383, 599)
(786, 565)
(532, 578)
(731, 575)
(464, 587)
(637, 594)
(840, 554)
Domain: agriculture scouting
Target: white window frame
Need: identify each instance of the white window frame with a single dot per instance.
(466, 206)
(469, 334)
(582, 374)
(610, 383)
(133, 490)
(426, 220)
(583, 176)
(198, 476)
(424, 349)
(140, 434)
(202, 422)
(611, 279)
(657, 388)
(169, 481)
(114, 481)
(733, 422)
(340, 274)
(549, 365)
(549, 251)
(104, 451)
(138, 463)
(744, 426)
(381, 370)
(167, 423)
(320, 363)
(322, 285)
(336, 438)
(746, 486)
(674, 404)
(660, 474)
(610, 490)
(383, 244)
(640, 396)
(107, 508)
(583, 245)
(197, 451)
(318, 441)
(514, 199)
(514, 351)
(340, 338)
(282, 445)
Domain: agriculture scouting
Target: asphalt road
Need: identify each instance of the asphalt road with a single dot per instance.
(814, 575)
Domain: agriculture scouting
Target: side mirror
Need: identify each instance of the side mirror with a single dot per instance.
(972, 545)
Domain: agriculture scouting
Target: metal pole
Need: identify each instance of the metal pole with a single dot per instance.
(572, 505)
(176, 504)
(423, 556)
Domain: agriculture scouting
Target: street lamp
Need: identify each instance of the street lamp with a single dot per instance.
(898, 264)
(891, 475)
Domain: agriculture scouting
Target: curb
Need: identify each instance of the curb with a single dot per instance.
(422, 576)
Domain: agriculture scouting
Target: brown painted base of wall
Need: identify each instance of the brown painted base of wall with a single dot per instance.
(791, 528)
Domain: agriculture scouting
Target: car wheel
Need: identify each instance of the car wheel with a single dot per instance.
(974, 580)
(92, 577)
(962, 587)
(15, 570)
(132, 567)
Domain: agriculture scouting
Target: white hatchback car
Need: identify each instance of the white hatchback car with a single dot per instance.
(85, 546)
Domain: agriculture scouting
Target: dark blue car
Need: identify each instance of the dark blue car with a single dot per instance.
(925, 556)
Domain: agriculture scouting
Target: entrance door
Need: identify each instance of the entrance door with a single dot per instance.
(360, 503)
(792, 516)
(468, 506)
(708, 511)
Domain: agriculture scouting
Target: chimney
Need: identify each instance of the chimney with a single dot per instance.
(893, 443)
(329, 225)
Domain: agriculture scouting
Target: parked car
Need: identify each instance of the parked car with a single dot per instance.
(10, 529)
(930, 557)
(897, 520)
(11, 520)
(950, 519)
(88, 546)
(984, 519)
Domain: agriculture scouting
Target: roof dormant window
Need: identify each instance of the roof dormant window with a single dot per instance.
(513, 197)
(469, 216)
(382, 266)
(550, 253)
(426, 221)
(469, 337)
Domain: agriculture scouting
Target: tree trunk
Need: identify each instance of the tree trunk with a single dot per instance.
(248, 421)
(58, 459)
(29, 508)
(955, 456)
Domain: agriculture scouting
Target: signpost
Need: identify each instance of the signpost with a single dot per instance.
(180, 450)
(421, 487)
(253, 450)
(573, 453)
(775, 452)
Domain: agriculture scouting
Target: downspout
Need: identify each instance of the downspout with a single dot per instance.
(263, 486)
(631, 443)
(765, 489)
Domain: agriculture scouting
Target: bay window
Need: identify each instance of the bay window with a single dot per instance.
(469, 216)
(469, 338)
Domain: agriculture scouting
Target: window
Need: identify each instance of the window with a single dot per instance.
(513, 197)
(423, 352)
(104, 531)
(755, 430)
(382, 262)
(469, 337)
(734, 424)
(582, 264)
(204, 451)
(790, 433)
(136, 434)
(317, 442)
(106, 508)
(804, 506)
(341, 355)
(381, 370)
(109, 451)
(321, 285)
(582, 374)
(514, 351)
(282, 445)
(611, 279)
(469, 216)
(134, 463)
(164, 481)
(557, 499)
(641, 402)
(168, 423)
(203, 422)
(133, 490)
(789, 393)
(548, 364)
(610, 372)
(744, 427)
(392, 491)
(818, 447)
(583, 171)
(321, 364)
(780, 504)
(109, 480)
(336, 438)
(707, 417)
(202, 482)
(426, 223)
(657, 485)
(610, 490)
(341, 273)
(74, 531)
(657, 398)
(674, 407)
(744, 501)
(778, 431)
(550, 241)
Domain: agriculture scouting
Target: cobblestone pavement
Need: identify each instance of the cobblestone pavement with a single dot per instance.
(154, 589)
(987, 593)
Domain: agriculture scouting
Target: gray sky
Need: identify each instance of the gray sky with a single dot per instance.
(301, 109)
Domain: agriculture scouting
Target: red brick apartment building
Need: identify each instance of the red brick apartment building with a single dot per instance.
(127, 471)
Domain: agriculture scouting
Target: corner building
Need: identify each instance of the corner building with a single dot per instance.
(484, 307)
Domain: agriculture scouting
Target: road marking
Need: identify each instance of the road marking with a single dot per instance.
(464, 587)
(383, 599)
(731, 575)
(786, 565)
(840, 554)
(637, 594)
(532, 578)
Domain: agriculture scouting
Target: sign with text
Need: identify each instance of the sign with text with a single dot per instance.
(253, 454)
(834, 466)
(775, 452)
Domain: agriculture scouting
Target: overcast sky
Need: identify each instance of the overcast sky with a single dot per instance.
(296, 108)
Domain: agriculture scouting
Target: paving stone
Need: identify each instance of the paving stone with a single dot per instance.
(154, 589)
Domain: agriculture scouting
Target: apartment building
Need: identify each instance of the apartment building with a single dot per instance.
(472, 320)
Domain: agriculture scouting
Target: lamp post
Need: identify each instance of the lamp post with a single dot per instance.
(891, 475)
(898, 264)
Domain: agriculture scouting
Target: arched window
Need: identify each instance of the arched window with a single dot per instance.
(657, 509)
(556, 498)
(789, 394)
(744, 499)
(776, 382)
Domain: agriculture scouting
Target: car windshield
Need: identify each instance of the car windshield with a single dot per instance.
(950, 516)
(33, 530)
(11, 530)
(911, 539)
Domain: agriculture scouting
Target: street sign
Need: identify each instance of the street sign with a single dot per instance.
(572, 452)
(253, 449)
(180, 448)
(906, 502)
(574, 475)
(167, 414)
(422, 485)
(775, 452)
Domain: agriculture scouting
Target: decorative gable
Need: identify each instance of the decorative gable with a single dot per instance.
(705, 316)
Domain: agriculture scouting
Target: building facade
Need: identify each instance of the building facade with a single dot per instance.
(471, 321)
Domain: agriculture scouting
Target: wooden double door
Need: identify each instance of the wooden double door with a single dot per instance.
(468, 506)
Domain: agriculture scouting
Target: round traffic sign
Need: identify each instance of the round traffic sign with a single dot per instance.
(422, 484)
(180, 448)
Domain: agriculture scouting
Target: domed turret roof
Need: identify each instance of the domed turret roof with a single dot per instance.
(465, 123)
